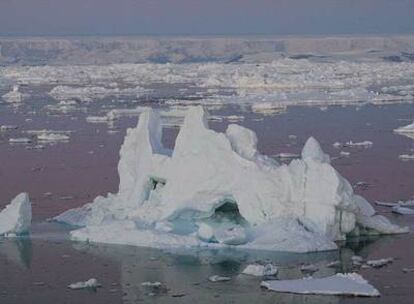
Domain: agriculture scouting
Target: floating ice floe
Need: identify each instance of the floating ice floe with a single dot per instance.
(365, 144)
(8, 127)
(406, 156)
(344, 153)
(15, 218)
(405, 129)
(402, 210)
(309, 268)
(20, 140)
(91, 284)
(409, 203)
(52, 137)
(215, 189)
(350, 284)
(91, 93)
(259, 270)
(406, 270)
(286, 155)
(380, 263)
(217, 278)
(151, 284)
(14, 96)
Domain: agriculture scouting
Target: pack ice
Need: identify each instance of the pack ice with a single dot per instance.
(216, 189)
(16, 217)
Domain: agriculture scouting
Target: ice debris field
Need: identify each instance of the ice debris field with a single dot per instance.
(216, 190)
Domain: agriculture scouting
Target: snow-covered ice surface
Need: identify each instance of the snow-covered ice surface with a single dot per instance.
(216, 189)
(15, 218)
(350, 284)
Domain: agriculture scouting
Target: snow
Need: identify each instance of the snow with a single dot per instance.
(91, 283)
(217, 190)
(350, 284)
(15, 218)
(259, 270)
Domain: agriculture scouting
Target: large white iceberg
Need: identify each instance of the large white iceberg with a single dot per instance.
(216, 189)
(16, 217)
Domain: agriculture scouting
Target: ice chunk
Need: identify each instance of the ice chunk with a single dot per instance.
(351, 284)
(406, 156)
(16, 217)
(14, 96)
(364, 144)
(217, 278)
(8, 127)
(91, 284)
(379, 263)
(402, 210)
(286, 155)
(405, 129)
(52, 137)
(151, 284)
(309, 268)
(20, 140)
(333, 264)
(258, 270)
(406, 270)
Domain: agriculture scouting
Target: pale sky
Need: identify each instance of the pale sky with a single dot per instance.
(200, 17)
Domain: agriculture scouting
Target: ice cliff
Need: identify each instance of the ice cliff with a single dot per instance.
(16, 217)
(216, 189)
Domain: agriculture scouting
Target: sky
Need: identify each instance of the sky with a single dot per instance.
(205, 17)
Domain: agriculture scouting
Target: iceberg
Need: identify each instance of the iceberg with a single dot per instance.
(15, 218)
(351, 284)
(217, 190)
